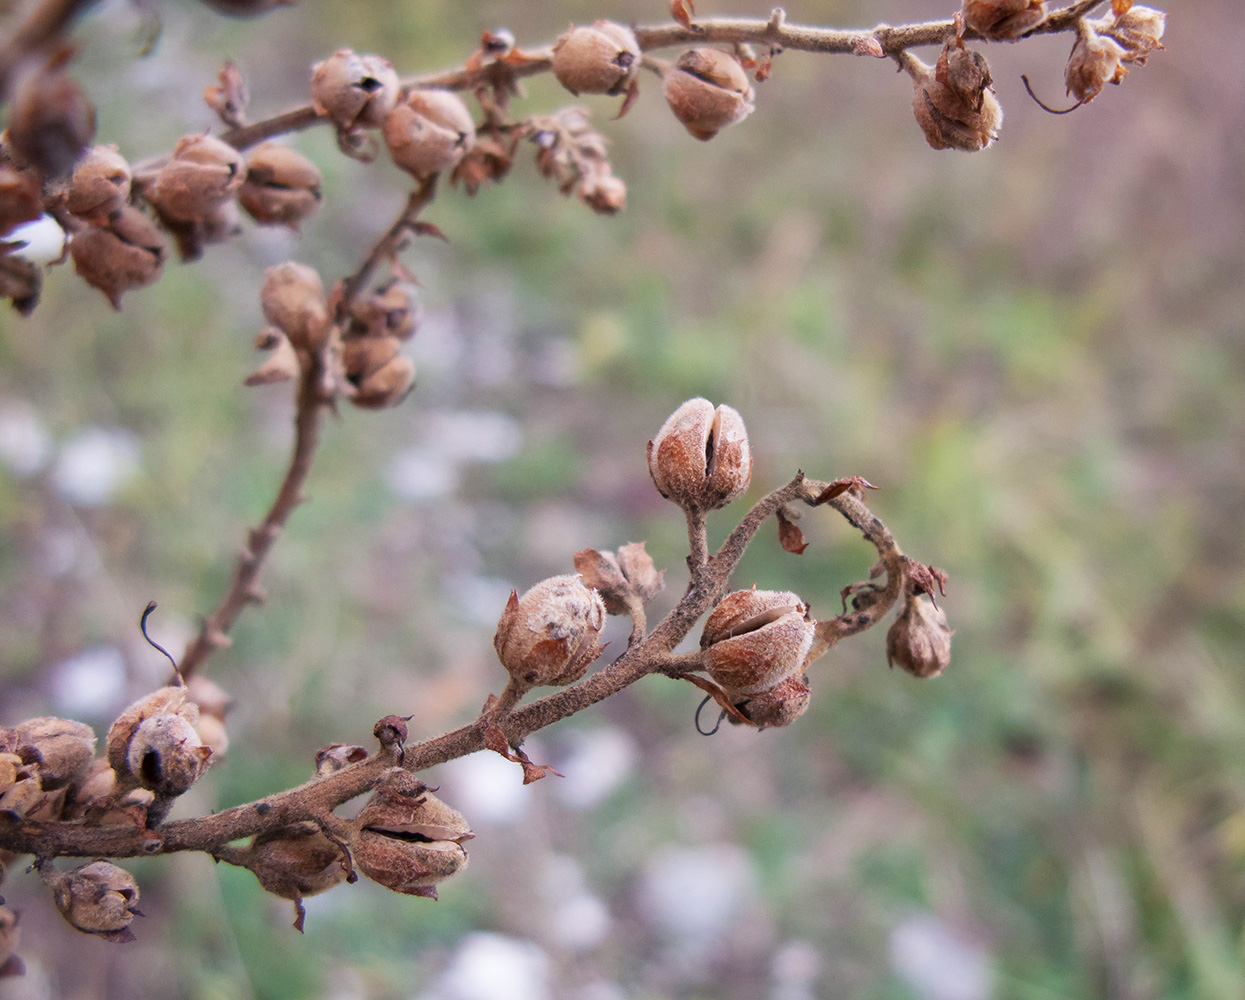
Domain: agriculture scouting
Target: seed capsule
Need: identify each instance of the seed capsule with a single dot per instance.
(100, 187)
(1003, 20)
(700, 458)
(127, 253)
(601, 59)
(282, 186)
(60, 749)
(919, 639)
(953, 102)
(550, 634)
(293, 300)
(354, 91)
(203, 174)
(98, 898)
(1095, 61)
(708, 89)
(429, 132)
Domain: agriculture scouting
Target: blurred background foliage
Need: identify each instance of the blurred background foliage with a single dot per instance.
(1037, 351)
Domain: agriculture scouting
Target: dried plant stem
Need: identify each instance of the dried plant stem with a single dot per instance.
(387, 246)
(243, 590)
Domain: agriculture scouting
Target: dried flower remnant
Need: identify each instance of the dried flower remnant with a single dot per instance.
(708, 90)
(60, 750)
(293, 300)
(297, 861)
(354, 91)
(153, 744)
(407, 839)
(550, 635)
(51, 121)
(700, 458)
(919, 639)
(127, 253)
(100, 187)
(603, 58)
(282, 186)
(755, 645)
(1138, 31)
(429, 132)
(574, 155)
(618, 578)
(1095, 61)
(1003, 20)
(953, 101)
(97, 898)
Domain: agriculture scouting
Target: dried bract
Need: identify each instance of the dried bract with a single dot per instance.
(630, 573)
(354, 91)
(126, 253)
(700, 458)
(98, 898)
(574, 154)
(282, 186)
(550, 634)
(202, 175)
(293, 301)
(708, 89)
(601, 59)
(100, 187)
(429, 132)
(1003, 20)
(755, 644)
(952, 101)
(919, 639)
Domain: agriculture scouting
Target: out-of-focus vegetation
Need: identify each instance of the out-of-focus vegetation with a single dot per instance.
(1037, 350)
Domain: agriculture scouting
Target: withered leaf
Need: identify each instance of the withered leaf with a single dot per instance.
(228, 98)
(422, 228)
(682, 11)
(856, 484)
(1121, 7)
(790, 535)
(495, 740)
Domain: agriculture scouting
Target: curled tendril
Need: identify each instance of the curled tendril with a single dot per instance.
(142, 625)
(718, 725)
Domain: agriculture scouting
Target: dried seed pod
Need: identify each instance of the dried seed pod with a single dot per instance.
(21, 282)
(604, 193)
(952, 101)
(429, 132)
(100, 187)
(700, 458)
(127, 253)
(755, 644)
(919, 639)
(201, 176)
(1137, 31)
(601, 59)
(354, 91)
(390, 311)
(293, 300)
(97, 898)
(362, 356)
(1095, 61)
(616, 577)
(297, 861)
(550, 634)
(20, 791)
(60, 749)
(51, 122)
(708, 89)
(406, 838)
(282, 186)
(166, 755)
(1003, 20)
(388, 385)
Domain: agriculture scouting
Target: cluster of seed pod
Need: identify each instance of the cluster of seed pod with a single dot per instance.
(573, 154)
(364, 359)
(155, 751)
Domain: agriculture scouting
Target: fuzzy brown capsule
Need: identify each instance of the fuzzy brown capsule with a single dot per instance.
(51, 120)
(550, 634)
(166, 755)
(127, 253)
(390, 311)
(406, 838)
(1095, 61)
(429, 132)
(919, 639)
(61, 750)
(282, 186)
(700, 458)
(100, 186)
(387, 385)
(1138, 31)
(293, 300)
(952, 101)
(708, 89)
(603, 58)
(97, 898)
(297, 861)
(20, 197)
(1003, 20)
(354, 91)
(629, 574)
(202, 175)
(755, 644)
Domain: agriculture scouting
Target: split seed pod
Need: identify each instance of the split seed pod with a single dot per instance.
(700, 458)
(919, 639)
(1003, 20)
(601, 59)
(127, 253)
(354, 91)
(953, 102)
(100, 187)
(708, 89)
(98, 898)
(51, 120)
(388, 385)
(429, 132)
(550, 634)
(755, 644)
(406, 838)
(203, 174)
(60, 749)
(1095, 61)
(154, 744)
(297, 861)
(282, 186)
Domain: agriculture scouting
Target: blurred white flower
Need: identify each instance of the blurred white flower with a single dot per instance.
(473, 435)
(24, 442)
(597, 762)
(94, 465)
(695, 893)
(487, 787)
(90, 682)
(44, 239)
(489, 966)
(937, 962)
